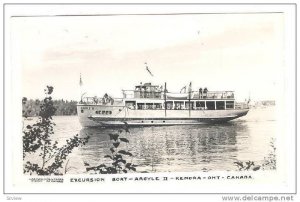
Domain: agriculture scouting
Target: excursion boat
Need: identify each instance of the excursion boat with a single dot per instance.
(153, 105)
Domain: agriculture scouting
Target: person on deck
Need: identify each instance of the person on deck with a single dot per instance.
(205, 92)
(200, 93)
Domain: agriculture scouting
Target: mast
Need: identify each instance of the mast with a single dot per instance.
(81, 88)
(165, 98)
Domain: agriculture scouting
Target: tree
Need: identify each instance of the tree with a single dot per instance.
(37, 139)
(119, 164)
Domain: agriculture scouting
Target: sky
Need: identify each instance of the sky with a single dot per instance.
(240, 52)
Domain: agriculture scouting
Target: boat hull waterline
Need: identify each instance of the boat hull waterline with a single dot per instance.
(206, 117)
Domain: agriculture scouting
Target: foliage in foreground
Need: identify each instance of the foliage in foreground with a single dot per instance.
(37, 140)
(269, 162)
(118, 164)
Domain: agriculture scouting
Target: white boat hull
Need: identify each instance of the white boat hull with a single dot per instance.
(123, 116)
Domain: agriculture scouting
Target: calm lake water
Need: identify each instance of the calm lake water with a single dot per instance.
(177, 148)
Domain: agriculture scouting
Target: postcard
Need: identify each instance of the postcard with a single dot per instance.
(150, 98)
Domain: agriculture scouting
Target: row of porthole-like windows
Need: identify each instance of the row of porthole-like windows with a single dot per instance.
(103, 112)
(100, 112)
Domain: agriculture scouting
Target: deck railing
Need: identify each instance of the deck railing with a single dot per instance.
(101, 101)
(214, 95)
(194, 94)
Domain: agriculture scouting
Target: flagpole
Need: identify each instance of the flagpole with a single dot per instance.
(80, 86)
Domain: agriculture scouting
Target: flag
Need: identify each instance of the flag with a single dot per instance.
(80, 81)
(248, 100)
(147, 68)
(184, 88)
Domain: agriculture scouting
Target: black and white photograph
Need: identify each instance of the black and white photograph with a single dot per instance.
(118, 98)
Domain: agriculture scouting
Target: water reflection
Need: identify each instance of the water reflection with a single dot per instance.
(172, 148)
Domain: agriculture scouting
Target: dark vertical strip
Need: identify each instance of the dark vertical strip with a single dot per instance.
(4, 98)
(296, 128)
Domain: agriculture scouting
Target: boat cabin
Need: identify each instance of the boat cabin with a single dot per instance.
(152, 97)
(181, 105)
(146, 90)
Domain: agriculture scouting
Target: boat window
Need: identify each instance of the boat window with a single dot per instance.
(82, 111)
(103, 112)
(169, 105)
(130, 104)
(189, 105)
(200, 105)
(220, 105)
(229, 104)
(149, 105)
(140, 105)
(178, 105)
(157, 106)
(210, 105)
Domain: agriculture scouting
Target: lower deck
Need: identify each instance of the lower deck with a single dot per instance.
(110, 115)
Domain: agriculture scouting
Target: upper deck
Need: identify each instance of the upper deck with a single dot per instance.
(148, 91)
(149, 96)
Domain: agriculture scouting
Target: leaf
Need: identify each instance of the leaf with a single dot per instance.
(118, 156)
(113, 136)
(101, 166)
(255, 168)
(116, 144)
(128, 165)
(122, 152)
(121, 160)
(107, 156)
(125, 152)
(132, 168)
(124, 140)
(89, 168)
